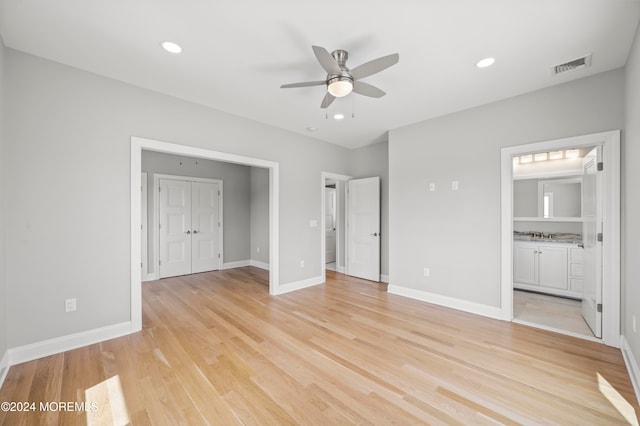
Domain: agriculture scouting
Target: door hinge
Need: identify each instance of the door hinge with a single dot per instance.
(600, 166)
(599, 307)
(141, 265)
(599, 237)
(219, 225)
(160, 262)
(159, 189)
(219, 193)
(159, 226)
(218, 255)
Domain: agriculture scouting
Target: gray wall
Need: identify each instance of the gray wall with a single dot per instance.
(631, 201)
(368, 161)
(259, 215)
(457, 233)
(236, 197)
(67, 147)
(3, 286)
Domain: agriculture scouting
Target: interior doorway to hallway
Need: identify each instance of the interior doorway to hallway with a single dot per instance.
(333, 222)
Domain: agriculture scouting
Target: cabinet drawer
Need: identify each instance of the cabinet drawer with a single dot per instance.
(576, 269)
(576, 285)
(576, 255)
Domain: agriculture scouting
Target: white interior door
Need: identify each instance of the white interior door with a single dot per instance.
(363, 228)
(591, 227)
(330, 224)
(174, 227)
(205, 227)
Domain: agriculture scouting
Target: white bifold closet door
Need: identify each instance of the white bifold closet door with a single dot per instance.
(189, 226)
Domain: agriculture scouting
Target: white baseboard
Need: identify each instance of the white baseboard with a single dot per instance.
(384, 278)
(258, 264)
(238, 264)
(446, 301)
(299, 285)
(4, 367)
(632, 366)
(66, 343)
(150, 277)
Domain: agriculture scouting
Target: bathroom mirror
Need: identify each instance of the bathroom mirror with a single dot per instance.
(548, 198)
(560, 198)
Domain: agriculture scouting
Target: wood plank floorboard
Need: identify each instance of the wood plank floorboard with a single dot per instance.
(216, 349)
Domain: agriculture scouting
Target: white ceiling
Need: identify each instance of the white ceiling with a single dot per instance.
(238, 53)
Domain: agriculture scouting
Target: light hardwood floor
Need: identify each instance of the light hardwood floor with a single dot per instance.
(551, 311)
(216, 348)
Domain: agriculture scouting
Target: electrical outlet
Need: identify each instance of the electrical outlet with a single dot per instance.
(258, 249)
(454, 185)
(302, 263)
(427, 272)
(432, 187)
(70, 305)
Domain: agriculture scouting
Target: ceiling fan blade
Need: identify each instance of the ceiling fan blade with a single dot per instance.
(372, 67)
(326, 60)
(367, 90)
(328, 100)
(305, 84)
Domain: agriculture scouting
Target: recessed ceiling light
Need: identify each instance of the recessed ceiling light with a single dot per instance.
(486, 62)
(171, 47)
(311, 129)
(338, 116)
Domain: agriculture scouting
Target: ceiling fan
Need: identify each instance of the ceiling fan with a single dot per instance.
(341, 80)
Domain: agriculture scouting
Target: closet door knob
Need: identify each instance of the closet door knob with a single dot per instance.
(188, 232)
(195, 232)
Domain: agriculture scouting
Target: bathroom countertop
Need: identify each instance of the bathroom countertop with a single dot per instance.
(548, 238)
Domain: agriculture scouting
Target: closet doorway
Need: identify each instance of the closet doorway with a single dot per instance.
(189, 217)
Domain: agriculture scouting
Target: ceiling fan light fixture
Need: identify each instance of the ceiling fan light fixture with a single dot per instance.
(340, 86)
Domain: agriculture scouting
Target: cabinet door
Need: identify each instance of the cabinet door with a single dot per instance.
(525, 264)
(553, 266)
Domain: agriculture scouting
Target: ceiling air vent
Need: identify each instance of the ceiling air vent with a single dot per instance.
(575, 64)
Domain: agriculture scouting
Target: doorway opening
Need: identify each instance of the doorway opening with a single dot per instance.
(557, 271)
(357, 230)
(140, 144)
(333, 223)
